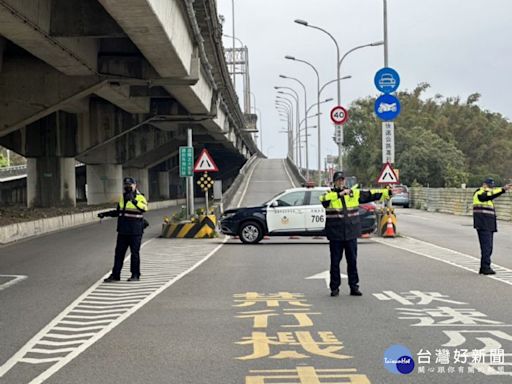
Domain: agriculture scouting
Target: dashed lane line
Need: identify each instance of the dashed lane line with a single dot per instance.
(445, 255)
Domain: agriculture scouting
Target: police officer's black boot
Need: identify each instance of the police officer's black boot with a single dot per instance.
(335, 293)
(111, 279)
(356, 292)
(134, 278)
(487, 271)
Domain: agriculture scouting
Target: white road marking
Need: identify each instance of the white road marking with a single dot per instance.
(288, 174)
(14, 280)
(325, 275)
(84, 330)
(246, 186)
(445, 255)
(163, 266)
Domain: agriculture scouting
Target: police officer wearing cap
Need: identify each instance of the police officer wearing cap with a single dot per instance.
(484, 220)
(343, 227)
(130, 227)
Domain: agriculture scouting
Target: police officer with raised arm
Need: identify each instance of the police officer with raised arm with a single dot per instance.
(343, 227)
(130, 227)
(484, 220)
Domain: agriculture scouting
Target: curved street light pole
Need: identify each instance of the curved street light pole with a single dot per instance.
(333, 81)
(284, 111)
(319, 157)
(297, 149)
(305, 108)
(338, 79)
(288, 104)
(295, 97)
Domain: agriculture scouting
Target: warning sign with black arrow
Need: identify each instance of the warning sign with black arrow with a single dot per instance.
(388, 175)
(205, 163)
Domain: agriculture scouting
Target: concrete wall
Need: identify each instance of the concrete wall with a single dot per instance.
(456, 201)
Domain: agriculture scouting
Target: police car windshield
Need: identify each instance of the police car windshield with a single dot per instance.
(273, 198)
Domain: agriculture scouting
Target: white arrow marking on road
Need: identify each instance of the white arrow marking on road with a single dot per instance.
(16, 279)
(326, 275)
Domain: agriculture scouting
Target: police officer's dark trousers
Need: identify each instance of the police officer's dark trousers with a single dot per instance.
(123, 242)
(336, 247)
(486, 240)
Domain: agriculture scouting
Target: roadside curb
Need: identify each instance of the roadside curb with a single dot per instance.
(19, 231)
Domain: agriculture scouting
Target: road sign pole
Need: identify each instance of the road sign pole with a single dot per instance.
(190, 181)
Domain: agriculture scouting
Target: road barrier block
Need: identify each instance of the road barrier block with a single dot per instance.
(387, 223)
(204, 228)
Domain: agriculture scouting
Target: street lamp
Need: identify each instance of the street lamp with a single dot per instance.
(289, 103)
(319, 160)
(338, 77)
(286, 110)
(305, 108)
(374, 44)
(333, 81)
(297, 151)
(295, 96)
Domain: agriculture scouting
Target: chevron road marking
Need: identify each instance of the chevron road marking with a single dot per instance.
(165, 263)
(104, 306)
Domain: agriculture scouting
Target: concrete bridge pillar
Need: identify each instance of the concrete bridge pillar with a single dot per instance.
(51, 182)
(163, 185)
(141, 176)
(104, 183)
(50, 151)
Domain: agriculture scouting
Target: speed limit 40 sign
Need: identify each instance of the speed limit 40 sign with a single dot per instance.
(339, 115)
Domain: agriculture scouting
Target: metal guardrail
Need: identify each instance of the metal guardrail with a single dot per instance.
(19, 170)
(13, 168)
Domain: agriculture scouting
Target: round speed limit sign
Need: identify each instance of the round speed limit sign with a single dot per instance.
(339, 115)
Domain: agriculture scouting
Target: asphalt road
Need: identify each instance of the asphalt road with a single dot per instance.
(262, 314)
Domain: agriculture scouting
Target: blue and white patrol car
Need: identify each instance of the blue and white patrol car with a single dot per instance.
(294, 212)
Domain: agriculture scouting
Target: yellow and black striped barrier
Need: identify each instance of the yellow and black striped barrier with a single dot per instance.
(204, 228)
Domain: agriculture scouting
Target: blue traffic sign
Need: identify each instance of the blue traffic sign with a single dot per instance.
(387, 107)
(387, 80)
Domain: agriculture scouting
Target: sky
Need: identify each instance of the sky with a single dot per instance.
(459, 47)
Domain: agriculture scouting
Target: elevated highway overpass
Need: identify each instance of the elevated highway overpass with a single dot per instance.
(115, 84)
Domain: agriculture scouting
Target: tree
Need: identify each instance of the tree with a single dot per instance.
(439, 141)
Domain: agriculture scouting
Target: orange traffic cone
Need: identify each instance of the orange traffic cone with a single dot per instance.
(390, 230)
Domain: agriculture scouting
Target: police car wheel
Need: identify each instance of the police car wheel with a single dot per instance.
(250, 233)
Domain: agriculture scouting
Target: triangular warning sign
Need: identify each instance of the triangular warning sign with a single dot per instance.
(205, 163)
(388, 175)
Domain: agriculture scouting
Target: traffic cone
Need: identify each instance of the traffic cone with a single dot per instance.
(390, 230)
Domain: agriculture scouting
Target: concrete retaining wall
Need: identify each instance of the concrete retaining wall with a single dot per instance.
(19, 231)
(456, 201)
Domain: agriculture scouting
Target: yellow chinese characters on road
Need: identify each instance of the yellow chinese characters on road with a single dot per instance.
(291, 312)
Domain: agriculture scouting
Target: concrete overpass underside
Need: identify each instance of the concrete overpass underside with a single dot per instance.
(115, 84)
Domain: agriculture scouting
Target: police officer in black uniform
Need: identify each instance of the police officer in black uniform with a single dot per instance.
(343, 227)
(484, 220)
(130, 227)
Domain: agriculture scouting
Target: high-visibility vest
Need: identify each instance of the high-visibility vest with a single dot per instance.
(485, 207)
(130, 210)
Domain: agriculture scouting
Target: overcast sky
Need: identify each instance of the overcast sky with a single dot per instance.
(458, 46)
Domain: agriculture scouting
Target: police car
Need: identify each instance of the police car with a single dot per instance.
(295, 211)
